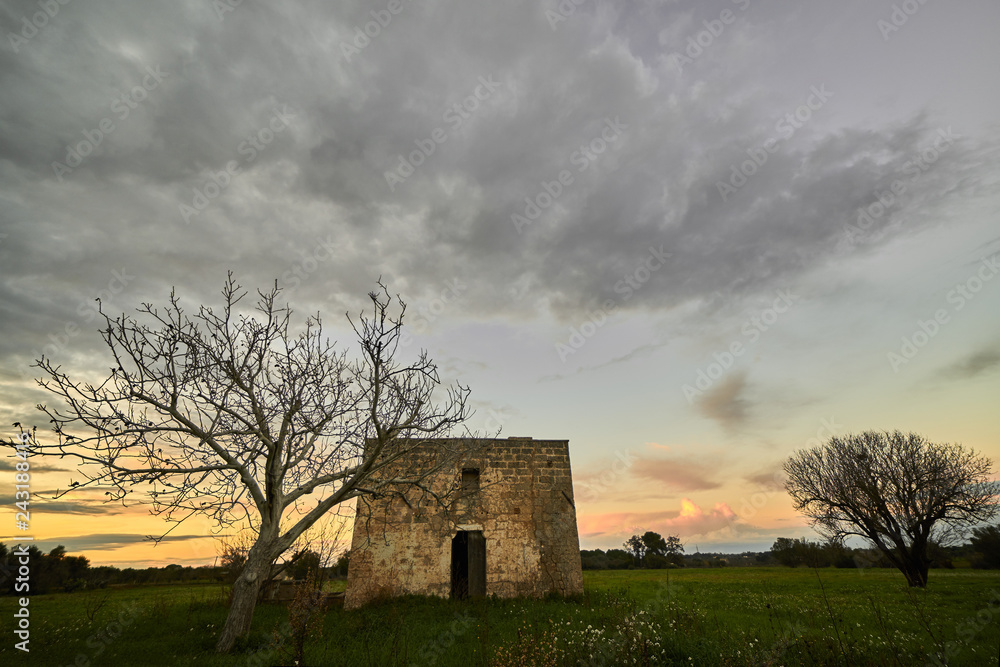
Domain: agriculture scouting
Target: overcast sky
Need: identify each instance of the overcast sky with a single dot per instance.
(691, 238)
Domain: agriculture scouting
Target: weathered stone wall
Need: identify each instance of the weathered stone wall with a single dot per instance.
(524, 507)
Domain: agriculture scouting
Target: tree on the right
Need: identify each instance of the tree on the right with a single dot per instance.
(899, 491)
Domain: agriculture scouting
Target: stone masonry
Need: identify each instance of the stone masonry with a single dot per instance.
(512, 507)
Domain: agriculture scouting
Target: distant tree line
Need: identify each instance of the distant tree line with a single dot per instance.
(982, 551)
(47, 572)
(985, 547)
(619, 559)
(612, 559)
(649, 550)
(55, 571)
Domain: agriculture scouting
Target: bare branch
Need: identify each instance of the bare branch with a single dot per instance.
(231, 415)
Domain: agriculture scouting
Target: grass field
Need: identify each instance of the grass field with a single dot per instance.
(719, 616)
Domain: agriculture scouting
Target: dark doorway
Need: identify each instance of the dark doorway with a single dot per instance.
(468, 564)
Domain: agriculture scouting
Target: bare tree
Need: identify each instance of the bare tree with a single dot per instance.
(898, 491)
(234, 416)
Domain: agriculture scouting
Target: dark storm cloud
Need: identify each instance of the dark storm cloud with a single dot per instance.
(514, 104)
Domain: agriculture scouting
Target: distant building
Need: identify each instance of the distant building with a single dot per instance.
(510, 531)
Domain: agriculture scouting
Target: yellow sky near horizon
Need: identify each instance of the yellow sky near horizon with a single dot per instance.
(628, 499)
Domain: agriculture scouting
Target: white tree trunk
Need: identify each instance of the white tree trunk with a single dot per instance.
(245, 591)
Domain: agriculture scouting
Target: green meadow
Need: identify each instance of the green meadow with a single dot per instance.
(714, 616)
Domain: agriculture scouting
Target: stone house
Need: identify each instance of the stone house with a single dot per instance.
(508, 530)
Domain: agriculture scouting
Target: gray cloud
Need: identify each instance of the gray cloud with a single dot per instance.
(10, 465)
(973, 365)
(312, 206)
(768, 478)
(676, 475)
(65, 506)
(325, 175)
(727, 402)
(108, 541)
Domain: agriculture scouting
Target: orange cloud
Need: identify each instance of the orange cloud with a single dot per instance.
(690, 520)
(676, 475)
